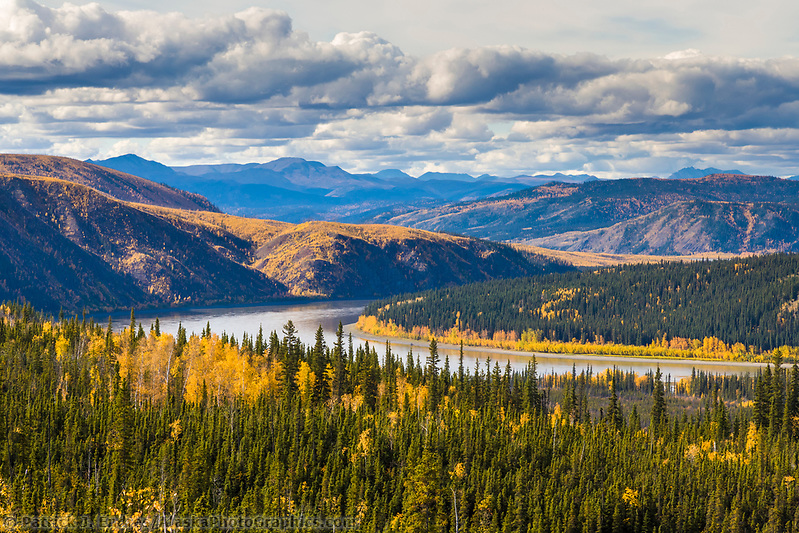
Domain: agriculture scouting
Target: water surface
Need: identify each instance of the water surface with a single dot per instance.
(307, 317)
(555, 363)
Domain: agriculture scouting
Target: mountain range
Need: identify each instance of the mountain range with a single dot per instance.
(85, 235)
(296, 190)
(547, 210)
(694, 210)
(78, 236)
(729, 213)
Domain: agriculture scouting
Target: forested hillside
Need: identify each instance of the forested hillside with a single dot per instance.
(65, 245)
(152, 430)
(739, 306)
(68, 245)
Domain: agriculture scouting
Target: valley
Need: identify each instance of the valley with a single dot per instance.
(72, 244)
(689, 213)
(110, 240)
(397, 267)
(659, 330)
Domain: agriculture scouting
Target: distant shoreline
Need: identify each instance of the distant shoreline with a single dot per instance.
(403, 341)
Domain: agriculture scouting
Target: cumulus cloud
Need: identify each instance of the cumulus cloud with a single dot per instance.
(257, 56)
(251, 83)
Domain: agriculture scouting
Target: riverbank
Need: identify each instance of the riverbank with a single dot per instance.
(549, 362)
(709, 348)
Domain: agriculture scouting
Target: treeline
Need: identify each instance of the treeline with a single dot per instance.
(738, 307)
(399, 443)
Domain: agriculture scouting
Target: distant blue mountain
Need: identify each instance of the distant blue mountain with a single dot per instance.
(392, 174)
(541, 179)
(691, 172)
(445, 176)
(295, 190)
(138, 166)
(203, 170)
(569, 178)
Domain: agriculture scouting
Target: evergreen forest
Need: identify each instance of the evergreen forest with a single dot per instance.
(737, 308)
(152, 428)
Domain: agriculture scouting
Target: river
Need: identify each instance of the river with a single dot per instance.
(307, 317)
(237, 320)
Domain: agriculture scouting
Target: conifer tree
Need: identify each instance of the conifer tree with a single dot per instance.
(614, 415)
(339, 364)
(260, 348)
(792, 402)
(532, 399)
(319, 364)
(460, 365)
(658, 404)
(762, 402)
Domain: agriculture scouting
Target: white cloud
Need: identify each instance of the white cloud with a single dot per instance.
(85, 79)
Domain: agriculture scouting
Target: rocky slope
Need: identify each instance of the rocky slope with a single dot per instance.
(689, 228)
(614, 216)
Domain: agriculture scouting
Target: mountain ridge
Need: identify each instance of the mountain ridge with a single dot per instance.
(556, 208)
(692, 172)
(296, 190)
(691, 227)
(120, 185)
(338, 260)
(139, 259)
(91, 250)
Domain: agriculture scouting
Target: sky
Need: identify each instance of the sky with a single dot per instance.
(617, 88)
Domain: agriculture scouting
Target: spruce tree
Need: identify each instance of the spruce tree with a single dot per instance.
(614, 415)
(339, 364)
(658, 404)
(431, 372)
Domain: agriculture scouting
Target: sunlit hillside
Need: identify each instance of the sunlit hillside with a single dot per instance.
(70, 246)
(343, 260)
(114, 183)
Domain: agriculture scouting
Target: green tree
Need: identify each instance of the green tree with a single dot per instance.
(431, 373)
(422, 495)
(658, 416)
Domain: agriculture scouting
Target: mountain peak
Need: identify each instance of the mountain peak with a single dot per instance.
(126, 157)
(136, 165)
(391, 173)
(445, 176)
(284, 163)
(693, 172)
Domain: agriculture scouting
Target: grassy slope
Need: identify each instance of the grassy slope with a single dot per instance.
(594, 259)
(353, 260)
